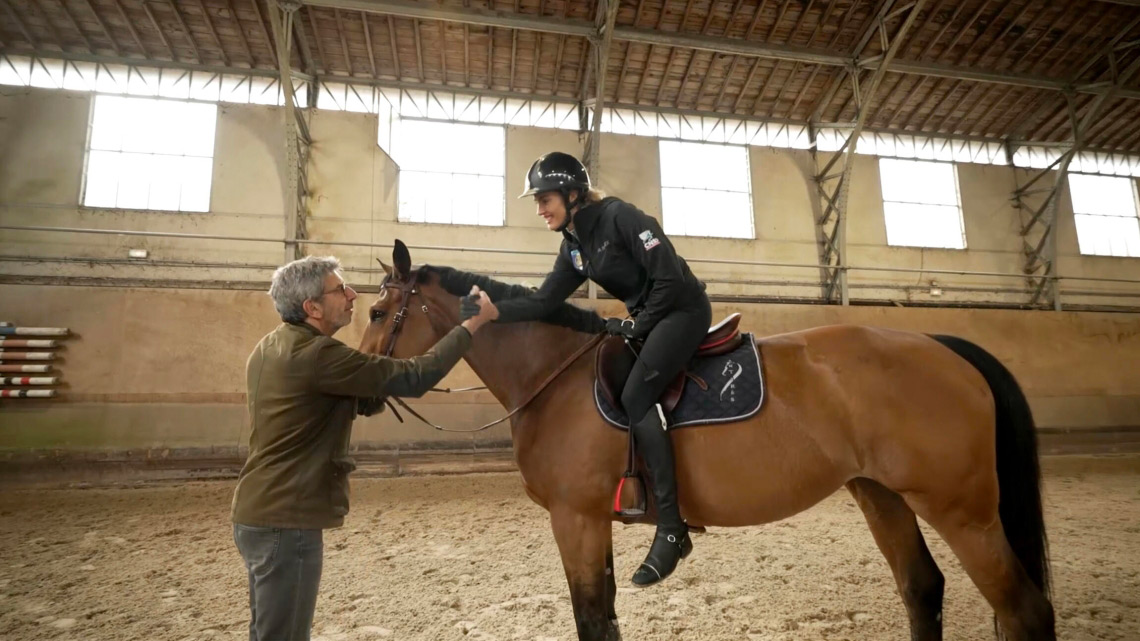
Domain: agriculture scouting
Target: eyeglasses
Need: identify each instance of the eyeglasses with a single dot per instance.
(339, 288)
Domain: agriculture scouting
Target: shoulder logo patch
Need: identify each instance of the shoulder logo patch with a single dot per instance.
(648, 240)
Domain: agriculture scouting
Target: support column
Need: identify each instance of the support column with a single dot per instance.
(297, 139)
(600, 54)
(1039, 225)
(833, 180)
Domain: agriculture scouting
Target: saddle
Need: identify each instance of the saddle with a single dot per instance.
(615, 361)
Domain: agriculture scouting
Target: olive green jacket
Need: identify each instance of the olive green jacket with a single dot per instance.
(302, 391)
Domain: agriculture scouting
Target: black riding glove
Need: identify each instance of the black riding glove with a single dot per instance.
(468, 307)
(367, 406)
(619, 327)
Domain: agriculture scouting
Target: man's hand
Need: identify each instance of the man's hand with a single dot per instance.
(367, 406)
(620, 327)
(476, 310)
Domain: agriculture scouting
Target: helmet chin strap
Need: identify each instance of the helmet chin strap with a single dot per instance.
(569, 206)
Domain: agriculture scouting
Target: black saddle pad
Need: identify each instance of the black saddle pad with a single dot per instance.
(735, 390)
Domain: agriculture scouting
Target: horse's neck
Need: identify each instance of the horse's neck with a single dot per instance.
(514, 359)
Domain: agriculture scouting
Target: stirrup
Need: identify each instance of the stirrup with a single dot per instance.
(629, 499)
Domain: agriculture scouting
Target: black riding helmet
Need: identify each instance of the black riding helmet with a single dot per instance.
(559, 172)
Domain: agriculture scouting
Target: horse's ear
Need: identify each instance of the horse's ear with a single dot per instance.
(402, 261)
(386, 267)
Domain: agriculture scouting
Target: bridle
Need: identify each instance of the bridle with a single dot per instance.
(408, 289)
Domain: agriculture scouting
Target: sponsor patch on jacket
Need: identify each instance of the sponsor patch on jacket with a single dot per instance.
(576, 258)
(648, 240)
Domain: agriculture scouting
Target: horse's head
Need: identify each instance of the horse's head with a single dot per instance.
(410, 314)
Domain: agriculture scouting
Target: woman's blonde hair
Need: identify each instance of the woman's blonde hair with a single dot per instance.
(595, 196)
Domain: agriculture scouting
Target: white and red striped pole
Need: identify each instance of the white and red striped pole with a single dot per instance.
(28, 380)
(21, 369)
(27, 393)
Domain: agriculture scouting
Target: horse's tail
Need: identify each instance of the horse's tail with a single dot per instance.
(1018, 471)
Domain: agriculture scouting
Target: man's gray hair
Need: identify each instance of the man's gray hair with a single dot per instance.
(299, 281)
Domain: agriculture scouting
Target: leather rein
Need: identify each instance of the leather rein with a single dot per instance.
(407, 290)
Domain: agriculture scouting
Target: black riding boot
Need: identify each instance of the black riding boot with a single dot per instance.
(671, 542)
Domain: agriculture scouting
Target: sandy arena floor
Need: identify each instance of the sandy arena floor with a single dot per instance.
(448, 558)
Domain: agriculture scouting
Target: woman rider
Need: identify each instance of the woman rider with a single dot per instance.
(624, 251)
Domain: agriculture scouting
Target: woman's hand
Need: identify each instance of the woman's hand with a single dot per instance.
(620, 327)
(476, 310)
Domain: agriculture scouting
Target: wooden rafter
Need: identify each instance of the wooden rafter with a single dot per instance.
(709, 74)
(368, 43)
(763, 87)
(536, 58)
(797, 66)
(185, 30)
(213, 32)
(343, 42)
(934, 91)
(264, 26)
(158, 29)
(649, 54)
(241, 33)
(693, 57)
(625, 56)
(395, 49)
(419, 48)
(443, 50)
(103, 25)
(672, 52)
(736, 59)
(130, 27)
(75, 25)
(558, 62)
(324, 64)
(35, 4)
(967, 96)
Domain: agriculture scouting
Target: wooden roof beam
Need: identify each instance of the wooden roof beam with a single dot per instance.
(214, 32)
(103, 26)
(158, 30)
(368, 44)
(582, 28)
(75, 24)
(185, 29)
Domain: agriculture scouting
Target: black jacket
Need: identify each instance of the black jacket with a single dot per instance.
(623, 250)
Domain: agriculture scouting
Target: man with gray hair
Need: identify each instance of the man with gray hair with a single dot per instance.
(303, 387)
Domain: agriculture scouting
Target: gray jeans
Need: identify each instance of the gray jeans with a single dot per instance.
(284, 568)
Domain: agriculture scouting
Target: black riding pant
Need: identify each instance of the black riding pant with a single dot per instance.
(668, 348)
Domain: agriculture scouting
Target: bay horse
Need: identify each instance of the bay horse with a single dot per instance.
(911, 424)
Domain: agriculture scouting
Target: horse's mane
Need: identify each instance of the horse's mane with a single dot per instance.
(458, 283)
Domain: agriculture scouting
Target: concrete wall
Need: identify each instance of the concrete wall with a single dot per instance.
(163, 367)
(354, 198)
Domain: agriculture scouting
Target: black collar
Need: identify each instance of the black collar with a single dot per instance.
(584, 222)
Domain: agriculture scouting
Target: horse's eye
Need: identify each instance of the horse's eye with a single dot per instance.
(376, 315)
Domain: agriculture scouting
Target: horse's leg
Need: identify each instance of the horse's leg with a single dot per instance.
(611, 585)
(586, 543)
(896, 532)
(1021, 609)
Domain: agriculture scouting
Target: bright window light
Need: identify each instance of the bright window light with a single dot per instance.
(1105, 211)
(450, 173)
(706, 190)
(150, 154)
(921, 204)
